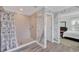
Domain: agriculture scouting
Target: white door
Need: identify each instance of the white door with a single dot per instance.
(50, 27)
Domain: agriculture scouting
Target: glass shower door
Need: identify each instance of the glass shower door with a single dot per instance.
(41, 36)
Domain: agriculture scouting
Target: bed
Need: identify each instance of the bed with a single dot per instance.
(71, 34)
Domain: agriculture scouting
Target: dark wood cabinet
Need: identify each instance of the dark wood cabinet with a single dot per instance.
(62, 30)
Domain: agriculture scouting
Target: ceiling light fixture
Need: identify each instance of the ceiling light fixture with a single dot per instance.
(21, 9)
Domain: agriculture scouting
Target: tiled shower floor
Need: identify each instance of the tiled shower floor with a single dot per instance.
(52, 47)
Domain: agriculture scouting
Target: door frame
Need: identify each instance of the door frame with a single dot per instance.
(52, 23)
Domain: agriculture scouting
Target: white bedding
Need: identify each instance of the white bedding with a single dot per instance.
(72, 34)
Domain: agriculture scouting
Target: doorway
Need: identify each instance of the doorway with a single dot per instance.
(50, 27)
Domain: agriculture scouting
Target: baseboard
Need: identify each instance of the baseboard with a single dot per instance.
(56, 42)
(20, 46)
(40, 45)
(73, 39)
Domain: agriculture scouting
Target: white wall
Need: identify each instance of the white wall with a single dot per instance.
(33, 24)
(68, 18)
(22, 28)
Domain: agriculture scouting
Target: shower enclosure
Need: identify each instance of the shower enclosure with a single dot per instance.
(47, 27)
(42, 27)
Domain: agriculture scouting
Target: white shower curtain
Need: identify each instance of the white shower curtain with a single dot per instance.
(8, 34)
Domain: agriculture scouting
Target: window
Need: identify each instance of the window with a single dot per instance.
(73, 22)
(75, 25)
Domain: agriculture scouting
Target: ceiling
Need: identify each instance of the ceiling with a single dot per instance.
(26, 10)
(29, 10)
(57, 8)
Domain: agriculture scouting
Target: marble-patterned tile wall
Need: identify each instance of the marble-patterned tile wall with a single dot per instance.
(0, 31)
(56, 28)
(8, 34)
